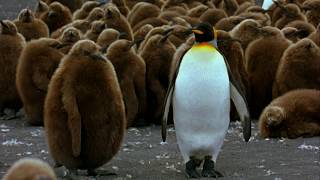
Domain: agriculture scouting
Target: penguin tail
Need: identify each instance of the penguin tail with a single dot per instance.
(74, 118)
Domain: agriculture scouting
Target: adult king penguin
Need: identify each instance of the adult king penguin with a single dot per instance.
(199, 91)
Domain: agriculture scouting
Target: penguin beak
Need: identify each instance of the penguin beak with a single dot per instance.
(52, 14)
(197, 31)
(123, 35)
(98, 56)
(4, 25)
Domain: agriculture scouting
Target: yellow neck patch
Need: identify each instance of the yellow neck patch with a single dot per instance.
(204, 46)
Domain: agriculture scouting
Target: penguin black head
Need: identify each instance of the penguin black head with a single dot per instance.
(204, 32)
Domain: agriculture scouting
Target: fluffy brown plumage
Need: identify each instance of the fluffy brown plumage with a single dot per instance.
(107, 37)
(69, 37)
(11, 45)
(131, 71)
(37, 63)
(71, 4)
(85, 9)
(299, 68)
(292, 115)
(290, 12)
(197, 11)
(84, 111)
(122, 6)
(81, 25)
(141, 11)
(228, 23)
(312, 11)
(57, 16)
(304, 28)
(157, 54)
(30, 169)
(246, 32)
(212, 16)
(262, 58)
(315, 36)
(96, 28)
(40, 9)
(114, 19)
(31, 27)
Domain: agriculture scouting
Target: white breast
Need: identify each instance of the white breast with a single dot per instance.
(201, 103)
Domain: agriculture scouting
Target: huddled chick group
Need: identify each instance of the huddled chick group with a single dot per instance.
(87, 70)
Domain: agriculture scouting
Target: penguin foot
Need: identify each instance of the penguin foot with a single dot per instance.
(71, 174)
(191, 169)
(92, 172)
(208, 169)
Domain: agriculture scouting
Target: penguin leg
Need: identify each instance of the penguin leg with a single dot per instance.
(71, 174)
(93, 172)
(208, 168)
(191, 167)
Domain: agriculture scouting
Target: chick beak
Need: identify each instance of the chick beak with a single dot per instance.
(4, 25)
(98, 56)
(52, 14)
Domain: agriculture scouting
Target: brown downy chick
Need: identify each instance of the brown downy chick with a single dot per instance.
(73, 5)
(57, 16)
(228, 23)
(37, 63)
(40, 9)
(243, 7)
(233, 52)
(304, 28)
(114, 19)
(299, 68)
(179, 21)
(107, 37)
(84, 110)
(312, 11)
(142, 32)
(197, 11)
(11, 46)
(82, 25)
(246, 32)
(85, 9)
(31, 27)
(141, 11)
(96, 14)
(191, 20)
(212, 16)
(69, 37)
(30, 169)
(261, 53)
(168, 15)
(179, 34)
(291, 12)
(154, 31)
(315, 36)
(291, 34)
(154, 21)
(260, 17)
(131, 71)
(173, 4)
(96, 28)
(121, 5)
(275, 11)
(157, 54)
(292, 115)
(230, 6)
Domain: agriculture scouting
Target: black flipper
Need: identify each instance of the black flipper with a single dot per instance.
(168, 99)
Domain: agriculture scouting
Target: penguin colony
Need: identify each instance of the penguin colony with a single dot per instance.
(68, 60)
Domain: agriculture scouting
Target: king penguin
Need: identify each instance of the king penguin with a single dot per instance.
(200, 93)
